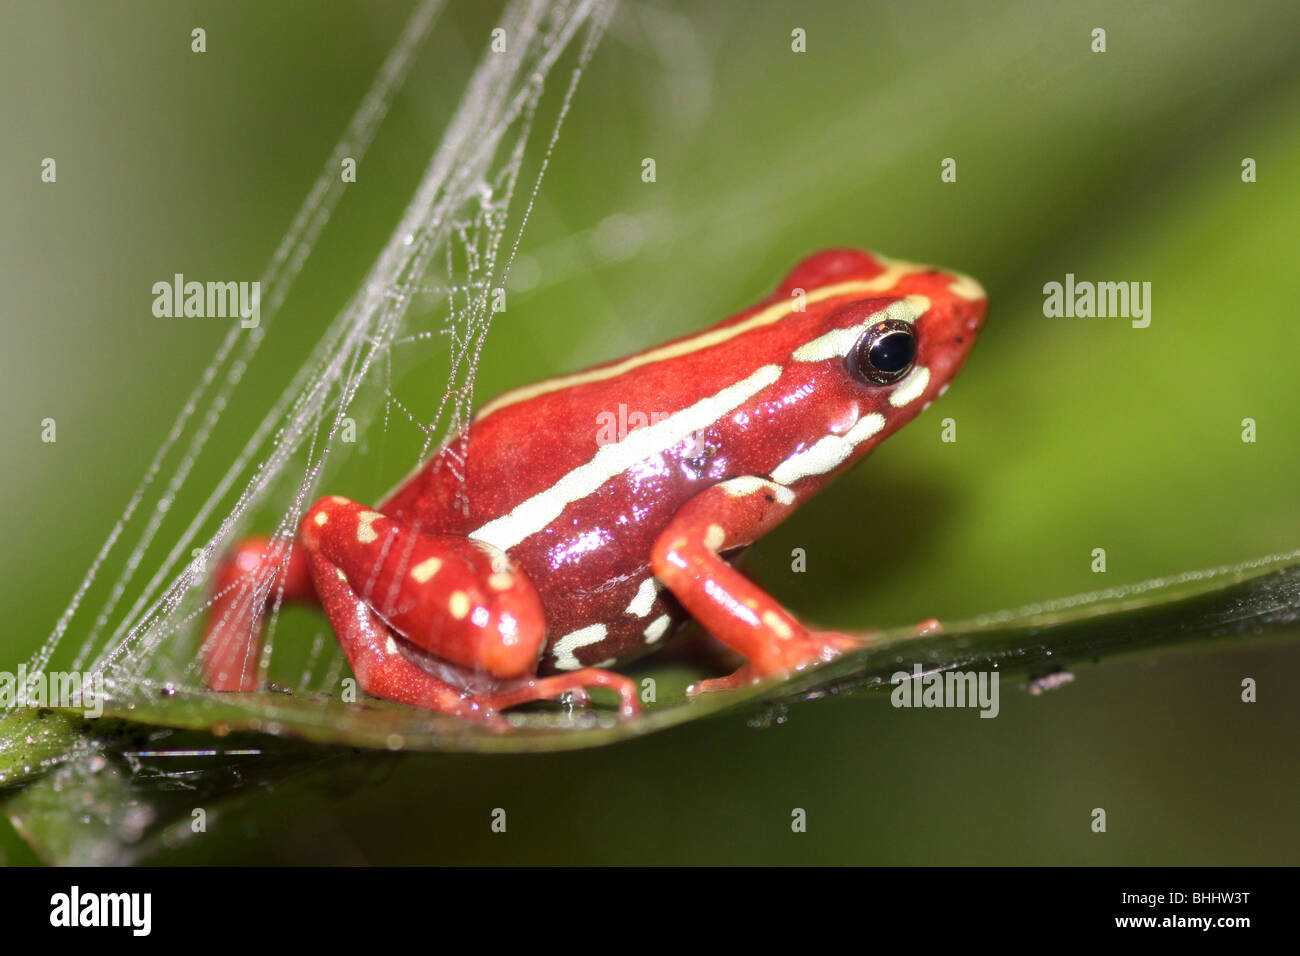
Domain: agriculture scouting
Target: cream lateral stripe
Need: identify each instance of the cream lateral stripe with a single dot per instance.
(838, 342)
(541, 509)
(894, 271)
(828, 452)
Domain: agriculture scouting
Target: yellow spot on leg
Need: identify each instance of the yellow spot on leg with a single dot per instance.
(778, 625)
(714, 537)
(458, 604)
(366, 533)
(501, 581)
(320, 519)
(426, 569)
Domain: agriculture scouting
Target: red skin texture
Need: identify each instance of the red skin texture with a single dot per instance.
(586, 565)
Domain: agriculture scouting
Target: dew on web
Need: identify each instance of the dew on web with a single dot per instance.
(434, 286)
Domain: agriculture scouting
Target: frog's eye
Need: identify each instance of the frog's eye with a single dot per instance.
(885, 353)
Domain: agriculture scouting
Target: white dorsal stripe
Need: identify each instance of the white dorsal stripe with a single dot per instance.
(895, 269)
(828, 452)
(838, 342)
(534, 514)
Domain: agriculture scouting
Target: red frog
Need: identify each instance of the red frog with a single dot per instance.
(582, 549)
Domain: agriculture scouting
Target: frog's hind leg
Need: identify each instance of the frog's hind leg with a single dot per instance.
(372, 652)
(255, 574)
(460, 600)
(394, 593)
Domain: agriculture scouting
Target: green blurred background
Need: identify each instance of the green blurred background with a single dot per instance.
(1073, 434)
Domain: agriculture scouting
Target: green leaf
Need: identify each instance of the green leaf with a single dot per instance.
(1218, 604)
(83, 791)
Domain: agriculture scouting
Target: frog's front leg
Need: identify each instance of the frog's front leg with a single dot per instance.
(687, 558)
(395, 595)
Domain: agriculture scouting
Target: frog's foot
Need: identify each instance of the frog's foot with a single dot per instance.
(743, 677)
(574, 682)
(823, 647)
(785, 659)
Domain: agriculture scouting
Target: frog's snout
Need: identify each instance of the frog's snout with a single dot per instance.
(969, 305)
(949, 328)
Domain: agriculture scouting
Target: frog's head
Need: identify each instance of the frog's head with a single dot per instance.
(901, 352)
(870, 364)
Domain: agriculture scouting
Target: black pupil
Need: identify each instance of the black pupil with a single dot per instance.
(892, 352)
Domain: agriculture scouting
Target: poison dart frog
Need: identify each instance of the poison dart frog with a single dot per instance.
(566, 551)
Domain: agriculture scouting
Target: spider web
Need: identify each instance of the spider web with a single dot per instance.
(437, 277)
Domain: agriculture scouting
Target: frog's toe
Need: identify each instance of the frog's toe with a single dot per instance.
(522, 691)
(788, 658)
(741, 678)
